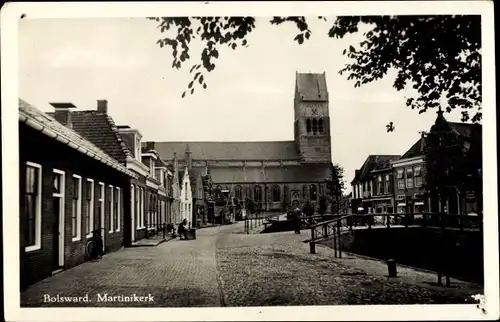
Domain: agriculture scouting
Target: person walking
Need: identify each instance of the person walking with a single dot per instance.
(297, 217)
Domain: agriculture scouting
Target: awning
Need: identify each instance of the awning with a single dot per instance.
(401, 205)
(419, 203)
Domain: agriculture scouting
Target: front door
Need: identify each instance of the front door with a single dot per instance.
(56, 234)
(58, 220)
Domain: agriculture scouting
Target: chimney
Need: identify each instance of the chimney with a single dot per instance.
(422, 141)
(102, 106)
(187, 153)
(63, 113)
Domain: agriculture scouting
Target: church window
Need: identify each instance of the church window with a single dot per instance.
(276, 194)
(304, 192)
(321, 126)
(315, 126)
(257, 191)
(308, 125)
(237, 192)
(312, 192)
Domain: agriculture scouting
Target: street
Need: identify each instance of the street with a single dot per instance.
(225, 267)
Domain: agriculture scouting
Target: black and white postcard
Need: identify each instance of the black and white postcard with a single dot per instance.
(249, 161)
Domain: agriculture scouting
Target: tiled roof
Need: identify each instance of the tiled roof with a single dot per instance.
(100, 129)
(415, 151)
(466, 129)
(271, 150)
(301, 173)
(311, 86)
(374, 162)
(40, 121)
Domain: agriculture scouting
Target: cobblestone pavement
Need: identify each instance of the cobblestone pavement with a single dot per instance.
(176, 273)
(226, 267)
(277, 269)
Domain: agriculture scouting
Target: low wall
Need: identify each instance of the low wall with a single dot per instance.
(422, 248)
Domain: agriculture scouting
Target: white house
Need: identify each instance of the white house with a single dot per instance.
(186, 200)
(175, 210)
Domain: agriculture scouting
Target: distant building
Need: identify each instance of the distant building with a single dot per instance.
(372, 185)
(69, 188)
(409, 179)
(274, 174)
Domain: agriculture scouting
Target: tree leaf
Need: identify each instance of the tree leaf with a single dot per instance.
(190, 84)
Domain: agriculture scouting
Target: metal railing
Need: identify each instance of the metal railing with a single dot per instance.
(335, 227)
(254, 220)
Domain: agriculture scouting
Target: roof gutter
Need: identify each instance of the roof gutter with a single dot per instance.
(58, 137)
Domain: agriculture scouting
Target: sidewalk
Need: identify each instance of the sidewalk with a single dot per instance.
(176, 274)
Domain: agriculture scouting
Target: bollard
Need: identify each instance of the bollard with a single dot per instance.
(391, 266)
(312, 247)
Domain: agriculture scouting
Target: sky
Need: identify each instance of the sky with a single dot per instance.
(249, 96)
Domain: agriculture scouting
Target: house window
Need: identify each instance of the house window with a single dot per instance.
(409, 178)
(111, 208)
(117, 209)
(137, 208)
(133, 203)
(257, 191)
(401, 204)
(387, 183)
(401, 180)
(76, 208)
(312, 192)
(418, 176)
(237, 192)
(379, 185)
(308, 125)
(150, 210)
(276, 193)
(100, 198)
(304, 192)
(33, 206)
(321, 126)
(89, 207)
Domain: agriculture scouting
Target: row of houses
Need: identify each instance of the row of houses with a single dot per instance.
(396, 183)
(80, 172)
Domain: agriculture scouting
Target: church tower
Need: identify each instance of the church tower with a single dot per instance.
(312, 119)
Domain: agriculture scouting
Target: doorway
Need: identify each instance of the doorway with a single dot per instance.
(58, 220)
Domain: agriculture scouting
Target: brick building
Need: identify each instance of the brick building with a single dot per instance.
(372, 188)
(275, 174)
(68, 188)
(409, 180)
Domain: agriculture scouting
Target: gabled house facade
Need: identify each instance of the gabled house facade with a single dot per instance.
(70, 190)
(176, 192)
(186, 197)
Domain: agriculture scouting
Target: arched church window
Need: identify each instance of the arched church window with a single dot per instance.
(257, 191)
(313, 192)
(304, 192)
(276, 194)
(237, 192)
(308, 125)
(315, 126)
(321, 126)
